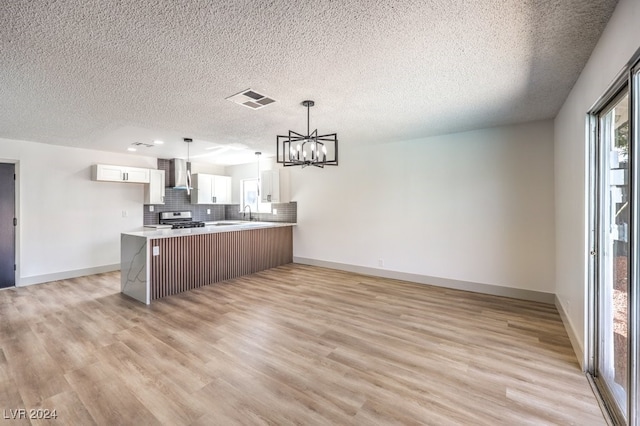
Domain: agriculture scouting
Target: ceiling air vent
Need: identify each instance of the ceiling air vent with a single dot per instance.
(148, 145)
(251, 99)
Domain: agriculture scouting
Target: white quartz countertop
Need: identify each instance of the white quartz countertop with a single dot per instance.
(209, 228)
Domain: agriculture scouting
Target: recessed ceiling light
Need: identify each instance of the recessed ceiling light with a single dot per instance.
(132, 149)
(157, 142)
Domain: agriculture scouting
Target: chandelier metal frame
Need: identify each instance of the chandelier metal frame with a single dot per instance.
(296, 149)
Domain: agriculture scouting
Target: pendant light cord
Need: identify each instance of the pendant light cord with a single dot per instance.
(308, 109)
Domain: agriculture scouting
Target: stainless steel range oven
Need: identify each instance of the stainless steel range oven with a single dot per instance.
(179, 220)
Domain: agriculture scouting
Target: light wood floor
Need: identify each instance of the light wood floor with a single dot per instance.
(291, 345)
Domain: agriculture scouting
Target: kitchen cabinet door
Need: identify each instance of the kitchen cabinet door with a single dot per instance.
(221, 189)
(270, 187)
(104, 172)
(154, 191)
(136, 175)
(274, 186)
(111, 173)
(266, 186)
(202, 192)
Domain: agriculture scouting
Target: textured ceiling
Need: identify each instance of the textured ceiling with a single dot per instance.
(102, 74)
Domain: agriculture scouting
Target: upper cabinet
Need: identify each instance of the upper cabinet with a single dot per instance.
(222, 189)
(109, 173)
(154, 192)
(210, 189)
(274, 186)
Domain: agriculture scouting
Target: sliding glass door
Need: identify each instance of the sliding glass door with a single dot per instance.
(613, 251)
(614, 241)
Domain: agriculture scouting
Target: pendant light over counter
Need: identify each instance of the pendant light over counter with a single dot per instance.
(307, 150)
(258, 154)
(188, 141)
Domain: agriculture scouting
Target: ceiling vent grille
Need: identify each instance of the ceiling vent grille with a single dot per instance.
(251, 99)
(148, 145)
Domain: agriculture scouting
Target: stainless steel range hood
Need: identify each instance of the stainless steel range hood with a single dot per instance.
(178, 173)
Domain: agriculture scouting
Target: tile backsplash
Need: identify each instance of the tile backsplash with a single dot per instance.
(287, 212)
(178, 200)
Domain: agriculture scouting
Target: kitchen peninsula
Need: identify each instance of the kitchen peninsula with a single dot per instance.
(159, 263)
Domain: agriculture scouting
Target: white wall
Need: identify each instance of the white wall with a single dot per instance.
(475, 207)
(66, 221)
(617, 44)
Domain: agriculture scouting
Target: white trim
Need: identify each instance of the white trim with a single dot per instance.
(571, 331)
(39, 279)
(495, 290)
(603, 406)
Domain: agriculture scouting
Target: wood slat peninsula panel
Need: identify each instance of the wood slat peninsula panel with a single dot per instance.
(189, 262)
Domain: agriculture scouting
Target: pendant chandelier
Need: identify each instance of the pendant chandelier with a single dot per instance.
(307, 150)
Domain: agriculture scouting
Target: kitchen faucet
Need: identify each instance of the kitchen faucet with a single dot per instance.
(245, 208)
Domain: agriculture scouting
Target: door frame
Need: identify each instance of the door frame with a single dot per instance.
(627, 79)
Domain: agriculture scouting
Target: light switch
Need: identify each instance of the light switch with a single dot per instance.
(156, 251)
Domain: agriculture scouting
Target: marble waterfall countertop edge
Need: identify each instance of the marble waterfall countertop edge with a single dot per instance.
(209, 228)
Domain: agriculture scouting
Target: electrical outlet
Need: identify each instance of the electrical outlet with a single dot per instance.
(275, 211)
(125, 213)
(150, 208)
(156, 250)
(381, 263)
(208, 211)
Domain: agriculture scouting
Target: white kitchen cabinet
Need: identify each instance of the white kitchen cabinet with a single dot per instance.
(111, 173)
(154, 191)
(210, 189)
(274, 186)
(202, 189)
(222, 189)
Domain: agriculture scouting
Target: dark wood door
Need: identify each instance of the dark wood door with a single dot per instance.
(7, 227)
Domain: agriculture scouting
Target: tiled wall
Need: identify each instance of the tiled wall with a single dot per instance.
(177, 200)
(287, 212)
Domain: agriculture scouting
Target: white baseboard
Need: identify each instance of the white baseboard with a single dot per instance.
(39, 279)
(573, 336)
(496, 290)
